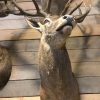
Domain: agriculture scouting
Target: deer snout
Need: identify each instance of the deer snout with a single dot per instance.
(67, 20)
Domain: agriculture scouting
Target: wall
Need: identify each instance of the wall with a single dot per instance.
(83, 48)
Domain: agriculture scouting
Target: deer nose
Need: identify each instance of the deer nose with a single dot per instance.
(68, 18)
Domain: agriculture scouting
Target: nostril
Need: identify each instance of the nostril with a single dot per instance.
(64, 17)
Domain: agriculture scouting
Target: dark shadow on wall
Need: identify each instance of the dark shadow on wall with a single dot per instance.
(85, 47)
(12, 45)
(20, 59)
(5, 62)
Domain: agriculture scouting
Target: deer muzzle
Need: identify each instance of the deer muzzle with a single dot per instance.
(66, 22)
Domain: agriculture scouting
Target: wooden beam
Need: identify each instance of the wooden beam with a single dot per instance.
(83, 97)
(28, 88)
(24, 58)
(82, 69)
(89, 42)
(19, 34)
(21, 88)
(72, 43)
(90, 97)
(85, 55)
(20, 23)
(33, 34)
(22, 98)
(25, 72)
(86, 69)
(18, 26)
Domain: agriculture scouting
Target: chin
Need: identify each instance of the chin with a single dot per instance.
(67, 29)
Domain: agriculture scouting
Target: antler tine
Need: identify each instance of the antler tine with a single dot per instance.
(36, 6)
(5, 1)
(66, 7)
(82, 17)
(75, 8)
(38, 9)
(79, 9)
(22, 12)
(48, 6)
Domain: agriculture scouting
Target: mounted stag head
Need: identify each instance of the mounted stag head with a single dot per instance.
(6, 6)
(57, 80)
(54, 26)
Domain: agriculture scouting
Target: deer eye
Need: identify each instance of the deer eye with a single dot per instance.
(64, 17)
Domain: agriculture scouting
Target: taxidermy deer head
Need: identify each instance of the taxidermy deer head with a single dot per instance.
(57, 80)
(57, 27)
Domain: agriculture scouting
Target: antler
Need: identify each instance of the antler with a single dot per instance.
(48, 6)
(22, 12)
(40, 13)
(81, 16)
(5, 1)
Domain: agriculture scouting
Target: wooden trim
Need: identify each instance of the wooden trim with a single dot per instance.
(18, 22)
(90, 97)
(88, 42)
(33, 34)
(83, 97)
(18, 29)
(21, 88)
(25, 72)
(85, 55)
(82, 69)
(22, 98)
(72, 43)
(26, 88)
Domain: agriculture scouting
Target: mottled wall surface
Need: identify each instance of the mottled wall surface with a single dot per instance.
(83, 47)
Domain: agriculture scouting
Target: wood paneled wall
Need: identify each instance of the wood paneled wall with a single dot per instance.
(83, 48)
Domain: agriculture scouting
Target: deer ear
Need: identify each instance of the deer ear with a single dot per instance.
(36, 25)
(33, 24)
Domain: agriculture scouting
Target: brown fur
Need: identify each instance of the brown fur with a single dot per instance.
(57, 81)
(4, 4)
(5, 67)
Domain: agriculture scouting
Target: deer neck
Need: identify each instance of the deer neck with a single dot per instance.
(48, 48)
(50, 59)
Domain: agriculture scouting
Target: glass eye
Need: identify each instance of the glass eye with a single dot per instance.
(64, 17)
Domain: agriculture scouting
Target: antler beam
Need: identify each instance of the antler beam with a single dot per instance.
(22, 12)
(48, 6)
